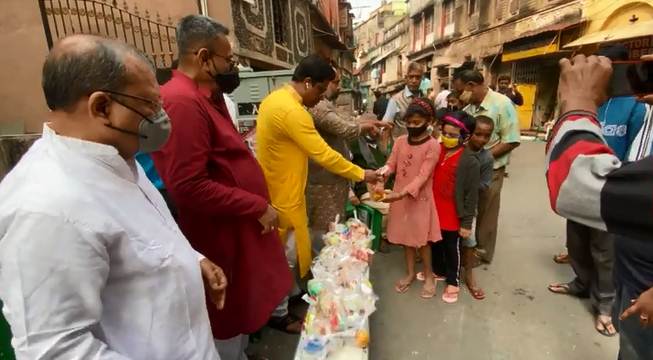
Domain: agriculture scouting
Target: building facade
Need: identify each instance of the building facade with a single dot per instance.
(380, 43)
(266, 35)
(521, 38)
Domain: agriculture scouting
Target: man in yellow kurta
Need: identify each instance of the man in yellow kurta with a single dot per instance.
(286, 138)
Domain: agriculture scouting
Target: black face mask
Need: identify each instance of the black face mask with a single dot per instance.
(417, 131)
(228, 82)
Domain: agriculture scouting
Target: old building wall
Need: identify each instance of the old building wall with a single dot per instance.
(23, 36)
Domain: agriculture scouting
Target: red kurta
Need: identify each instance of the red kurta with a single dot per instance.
(220, 192)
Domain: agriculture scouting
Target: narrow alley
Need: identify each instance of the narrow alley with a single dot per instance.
(519, 319)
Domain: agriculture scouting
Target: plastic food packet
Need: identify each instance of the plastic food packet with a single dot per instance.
(340, 294)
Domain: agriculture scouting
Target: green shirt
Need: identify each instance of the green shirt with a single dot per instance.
(500, 109)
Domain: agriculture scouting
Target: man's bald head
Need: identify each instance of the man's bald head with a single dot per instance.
(81, 64)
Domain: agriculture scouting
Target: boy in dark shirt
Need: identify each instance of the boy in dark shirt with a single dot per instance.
(476, 144)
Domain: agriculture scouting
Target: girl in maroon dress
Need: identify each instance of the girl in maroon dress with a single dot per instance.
(413, 221)
(446, 254)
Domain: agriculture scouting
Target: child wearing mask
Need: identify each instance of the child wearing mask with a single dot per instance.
(481, 134)
(413, 221)
(456, 182)
(453, 101)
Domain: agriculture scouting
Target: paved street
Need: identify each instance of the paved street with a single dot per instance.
(519, 319)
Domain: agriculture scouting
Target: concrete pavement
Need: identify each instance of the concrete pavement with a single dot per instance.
(519, 319)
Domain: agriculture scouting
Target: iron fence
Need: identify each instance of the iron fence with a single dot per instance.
(149, 33)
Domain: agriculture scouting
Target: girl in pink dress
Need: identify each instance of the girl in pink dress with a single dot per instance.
(413, 221)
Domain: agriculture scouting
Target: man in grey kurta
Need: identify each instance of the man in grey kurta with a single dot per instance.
(326, 193)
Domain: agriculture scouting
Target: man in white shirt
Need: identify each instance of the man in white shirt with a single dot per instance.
(232, 108)
(92, 265)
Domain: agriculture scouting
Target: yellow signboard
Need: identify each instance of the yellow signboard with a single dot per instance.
(523, 54)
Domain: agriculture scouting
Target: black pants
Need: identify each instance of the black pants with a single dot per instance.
(445, 256)
(591, 254)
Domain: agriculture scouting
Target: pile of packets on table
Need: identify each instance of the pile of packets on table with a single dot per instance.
(340, 295)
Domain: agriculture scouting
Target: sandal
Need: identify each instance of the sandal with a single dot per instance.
(561, 258)
(559, 288)
(420, 277)
(605, 325)
(284, 323)
(402, 286)
(477, 293)
(567, 289)
(428, 293)
(449, 296)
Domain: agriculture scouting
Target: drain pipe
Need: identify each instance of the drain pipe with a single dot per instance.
(204, 8)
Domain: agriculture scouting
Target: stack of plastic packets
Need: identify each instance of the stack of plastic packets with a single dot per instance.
(340, 294)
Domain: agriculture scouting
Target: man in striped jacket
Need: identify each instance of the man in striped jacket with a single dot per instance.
(590, 185)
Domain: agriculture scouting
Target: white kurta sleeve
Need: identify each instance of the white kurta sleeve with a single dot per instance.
(200, 257)
(51, 275)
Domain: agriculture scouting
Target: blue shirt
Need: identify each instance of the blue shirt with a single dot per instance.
(621, 119)
(148, 166)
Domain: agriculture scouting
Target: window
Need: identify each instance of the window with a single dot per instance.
(448, 13)
(514, 6)
(428, 23)
(280, 16)
(417, 34)
(472, 6)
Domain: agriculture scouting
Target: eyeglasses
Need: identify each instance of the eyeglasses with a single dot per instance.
(233, 59)
(156, 105)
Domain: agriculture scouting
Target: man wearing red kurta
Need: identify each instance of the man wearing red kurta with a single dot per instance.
(219, 188)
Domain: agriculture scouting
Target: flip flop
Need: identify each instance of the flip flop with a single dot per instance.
(420, 277)
(561, 258)
(401, 287)
(567, 289)
(605, 331)
(477, 293)
(560, 288)
(428, 294)
(450, 297)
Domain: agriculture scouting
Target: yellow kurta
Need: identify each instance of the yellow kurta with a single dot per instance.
(285, 139)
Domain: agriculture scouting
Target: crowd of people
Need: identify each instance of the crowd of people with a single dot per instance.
(185, 255)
